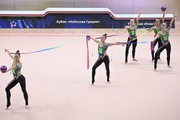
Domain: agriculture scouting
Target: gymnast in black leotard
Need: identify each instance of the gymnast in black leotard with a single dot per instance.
(157, 28)
(164, 36)
(132, 38)
(17, 78)
(103, 57)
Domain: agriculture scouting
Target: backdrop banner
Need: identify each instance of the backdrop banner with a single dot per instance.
(72, 21)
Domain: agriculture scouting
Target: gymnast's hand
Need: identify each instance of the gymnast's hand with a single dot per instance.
(166, 43)
(6, 50)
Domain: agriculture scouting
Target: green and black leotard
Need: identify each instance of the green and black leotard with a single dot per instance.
(102, 50)
(164, 37)
(16, 69)
(103, 58)
(158, 40)
(132, 39)
(132, 32)
(166, 45)
(18, 78)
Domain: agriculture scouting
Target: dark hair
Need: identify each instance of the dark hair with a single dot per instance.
(18, 53)
(105, 35)
(158, 19)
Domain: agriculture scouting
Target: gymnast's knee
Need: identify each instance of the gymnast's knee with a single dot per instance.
(7, 89)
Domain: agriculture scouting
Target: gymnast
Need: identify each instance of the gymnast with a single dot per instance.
(17, 78)
(132, 38)
(164, 36)
(103, 57)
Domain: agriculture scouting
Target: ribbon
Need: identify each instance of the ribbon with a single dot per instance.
(87, 47)
(47, 49)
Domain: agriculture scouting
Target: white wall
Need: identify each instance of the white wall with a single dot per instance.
(117, 6)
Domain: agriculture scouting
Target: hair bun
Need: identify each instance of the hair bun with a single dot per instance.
(18, 52)
(105, 35)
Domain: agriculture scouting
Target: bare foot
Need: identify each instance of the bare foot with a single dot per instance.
(27, 107)
(169, 66)
(8, 106)
(134, 59)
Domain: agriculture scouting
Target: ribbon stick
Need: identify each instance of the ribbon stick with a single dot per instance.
(87, 39)
(139, 36)
(144, 33)
(107, 36)
(132, 42)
